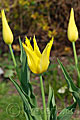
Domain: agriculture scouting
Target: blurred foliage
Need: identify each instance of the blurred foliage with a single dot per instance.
(8, 100)
(7, 65)
(44, 18)
(31, 15)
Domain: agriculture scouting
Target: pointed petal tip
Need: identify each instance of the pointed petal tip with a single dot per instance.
(26, 37)
(52, 40)
(27, 43)
(2, 13)
(36, 48)
(72, 9)
(2, 10)
(72, 12)
(34, 36)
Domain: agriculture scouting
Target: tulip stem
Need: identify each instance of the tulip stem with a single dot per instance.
(43, 97)
(76, 63)
(14, 61)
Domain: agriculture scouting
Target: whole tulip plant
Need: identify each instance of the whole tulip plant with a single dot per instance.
(31, 58)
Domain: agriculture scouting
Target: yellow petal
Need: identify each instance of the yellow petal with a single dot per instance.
(32, 59)
(72, 29)
(44, 61)
(7, 33)
(38, 63)
(28, 43)
(49, 47)
(36, 48)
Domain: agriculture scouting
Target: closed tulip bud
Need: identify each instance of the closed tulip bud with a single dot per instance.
(7, 33)
(72, 28)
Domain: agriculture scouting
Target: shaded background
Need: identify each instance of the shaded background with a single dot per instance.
(44, 18)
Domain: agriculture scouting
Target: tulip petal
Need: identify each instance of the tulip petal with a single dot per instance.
(7, 33)
(28, 43)
(36, 48)
(49, 47)
(32, 59)
(72, 28)
(38, 63)
(44, 61)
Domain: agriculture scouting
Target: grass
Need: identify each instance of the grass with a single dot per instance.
(10, 103)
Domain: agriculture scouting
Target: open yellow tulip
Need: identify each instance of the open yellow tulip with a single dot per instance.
(38, 63)
(7, 33)
(72, 29)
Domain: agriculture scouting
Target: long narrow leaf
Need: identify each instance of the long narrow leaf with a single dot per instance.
(20, 91)
(52, 115)
(72, 87)
(24, 70)
(25, 77)
(31, 113)
(67, 113)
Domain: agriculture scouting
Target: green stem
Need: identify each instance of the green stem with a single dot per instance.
(76, 63)
(14, 61)
(43, 97)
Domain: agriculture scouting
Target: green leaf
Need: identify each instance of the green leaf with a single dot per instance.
(30, 111)
(24, 70)
(31, 95)
(25, 77)
(36, 114)
(67, 112)
(52, 113)
(72, 87)
(9, 73)
(21, 93)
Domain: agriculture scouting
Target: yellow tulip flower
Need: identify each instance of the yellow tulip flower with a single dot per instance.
(38, 63)
(72, 29)
(7, 33)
